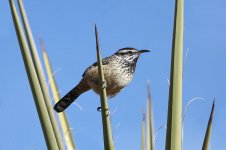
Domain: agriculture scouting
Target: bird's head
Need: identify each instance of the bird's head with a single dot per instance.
(130, 54)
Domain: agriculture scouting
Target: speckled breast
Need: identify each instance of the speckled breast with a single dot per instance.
(116, 76)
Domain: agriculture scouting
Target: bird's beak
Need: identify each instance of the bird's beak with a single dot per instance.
(143, 51)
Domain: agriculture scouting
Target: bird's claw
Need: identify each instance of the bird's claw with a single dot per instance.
(104, 84)
(99, 109)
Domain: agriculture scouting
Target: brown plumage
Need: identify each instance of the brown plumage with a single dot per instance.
(118, 72)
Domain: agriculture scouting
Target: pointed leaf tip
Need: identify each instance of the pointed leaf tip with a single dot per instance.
(212, 110)
(42, 44)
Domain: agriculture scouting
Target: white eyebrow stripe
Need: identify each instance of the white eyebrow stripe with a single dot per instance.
(127, 51)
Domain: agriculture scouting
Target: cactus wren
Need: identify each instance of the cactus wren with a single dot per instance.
(118, 71)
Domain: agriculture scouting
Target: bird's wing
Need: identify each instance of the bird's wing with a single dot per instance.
(105, 61)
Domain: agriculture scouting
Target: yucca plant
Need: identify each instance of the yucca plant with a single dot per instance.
(56, 96)
(173, 135)
(44, 108)
(143, 135)
(150, 123)
(206, 141)
(47, 128)
(40, 74)
(108, 142)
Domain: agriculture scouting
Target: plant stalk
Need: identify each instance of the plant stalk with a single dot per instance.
(206, 141)
(150, 123)
(174, 120)
(108, 142)
(40, 74)
(56, 96)
(34, 83)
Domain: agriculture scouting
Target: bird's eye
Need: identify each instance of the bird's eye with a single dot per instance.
(130, 52)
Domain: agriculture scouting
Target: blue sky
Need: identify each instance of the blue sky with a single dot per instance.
(67, 28)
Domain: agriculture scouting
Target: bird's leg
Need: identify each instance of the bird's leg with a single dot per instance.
(104, 84)
(99, 109)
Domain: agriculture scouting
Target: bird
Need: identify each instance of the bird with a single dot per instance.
(118, 70)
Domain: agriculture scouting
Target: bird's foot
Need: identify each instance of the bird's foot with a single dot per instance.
(99, 109)
(104, 84)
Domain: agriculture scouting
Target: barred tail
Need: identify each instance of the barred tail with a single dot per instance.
(71, 96)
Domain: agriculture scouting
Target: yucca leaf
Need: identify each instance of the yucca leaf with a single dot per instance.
(40, 74)
(143, 136)
(108, 142)
(173, 135)
(150, 123)
(62, 116)
(206, 141)
(34, 83)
